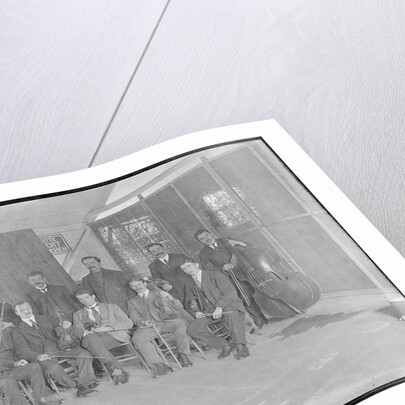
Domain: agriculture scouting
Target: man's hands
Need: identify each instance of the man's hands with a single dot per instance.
(236, 242)
(228, 266)
(147, 323)
(165, 294)
(44, 357)
(105, 328)
(5, 325)
(199, 315)
(66, 324)
(20, 363)
(217, 313)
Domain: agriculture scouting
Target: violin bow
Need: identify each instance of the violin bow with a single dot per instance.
(3, 304)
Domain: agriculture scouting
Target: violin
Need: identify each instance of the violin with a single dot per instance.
(280, 294)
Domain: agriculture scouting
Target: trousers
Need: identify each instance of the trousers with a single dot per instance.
(99, 344)
(31, 372)
(198, 330)
(143, 339)
(83, 364)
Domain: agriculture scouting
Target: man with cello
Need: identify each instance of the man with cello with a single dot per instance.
(217, 255)
(263, 280)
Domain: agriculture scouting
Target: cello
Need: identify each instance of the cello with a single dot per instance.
(280, 294)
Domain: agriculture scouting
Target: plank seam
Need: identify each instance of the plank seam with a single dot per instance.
(129, 84)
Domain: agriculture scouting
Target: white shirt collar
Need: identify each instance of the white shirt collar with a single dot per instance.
(197, 277)
(166, 257)
(214, 244)
(144, 294)
(29, 320)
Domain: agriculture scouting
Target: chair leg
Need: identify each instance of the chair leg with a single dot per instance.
(199, 349)
(27, 392)
(161, 354)
(135, 352)
(107, 372)
(53, 385)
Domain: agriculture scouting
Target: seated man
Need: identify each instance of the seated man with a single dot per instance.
(35, 341)
(101, 327)
(12, 371)
(211, 292)
(157, 309)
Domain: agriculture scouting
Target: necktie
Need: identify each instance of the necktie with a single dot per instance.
(34, 325)
(198, 282)
(96, 314)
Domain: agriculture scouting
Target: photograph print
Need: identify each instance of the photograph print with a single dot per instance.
(213, 278)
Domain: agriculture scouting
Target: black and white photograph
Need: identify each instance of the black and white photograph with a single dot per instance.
(214, 276)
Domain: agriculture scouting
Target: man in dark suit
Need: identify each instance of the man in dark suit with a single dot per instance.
(35, 341)
(167, 267)
(217, 255)
(53, 301)
(108, 286)
(210, 292)
(157, 308)
(13, 370)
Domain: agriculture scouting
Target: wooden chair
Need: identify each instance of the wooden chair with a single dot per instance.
(24, 388)
(131, 353)
(220, 329)
(165, 344)
(69, 369)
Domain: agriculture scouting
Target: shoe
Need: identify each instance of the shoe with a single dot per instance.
(93, 385)
(226, 350)
(241, 351)
(160, 369)
(119, 376)
(83, 391)
(184, 361)
(260, 322)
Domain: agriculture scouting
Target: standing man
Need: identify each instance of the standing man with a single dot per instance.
(12, 371)
(102, 327)
(35, 341)
(166, 266)
(217, 255)
(160, 309)
(108, 286)
(53, 301)
(211, 292)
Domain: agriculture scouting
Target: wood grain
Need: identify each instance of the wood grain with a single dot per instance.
(330, 72)
(63, 68)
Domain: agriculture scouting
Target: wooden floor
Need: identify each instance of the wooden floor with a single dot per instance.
(84, 82)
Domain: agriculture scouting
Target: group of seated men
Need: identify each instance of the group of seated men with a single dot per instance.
(109, 310)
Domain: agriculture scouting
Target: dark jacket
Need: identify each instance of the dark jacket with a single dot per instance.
(214, 259)
(170, 272)
(218, 290)
(56, 294)
(7, 352)
(29, 342)
(113, 288)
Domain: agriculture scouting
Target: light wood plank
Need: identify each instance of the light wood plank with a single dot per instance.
(63, 68)
(331, 72)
